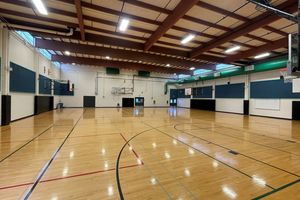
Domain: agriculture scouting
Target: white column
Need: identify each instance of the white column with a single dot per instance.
(5, 68)
(37, 71)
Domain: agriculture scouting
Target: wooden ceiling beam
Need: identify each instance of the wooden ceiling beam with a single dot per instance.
(116, 53)
(178, 12)
(259, 21)
(117, 64)
(80, 18)
(206, 6)
(281, 43)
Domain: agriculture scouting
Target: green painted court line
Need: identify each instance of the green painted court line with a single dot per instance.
(276, 190)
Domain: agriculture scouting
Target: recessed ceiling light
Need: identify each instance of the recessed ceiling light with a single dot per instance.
(262, 55)
(232, 49)
(192, 68)
(73, 64)
(67, 53)
(107, 57)
(168, 65)
(124, 25)
(187, 39)
(40, 7)
(175, 74)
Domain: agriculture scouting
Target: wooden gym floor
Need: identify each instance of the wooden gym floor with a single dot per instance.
(158, 153)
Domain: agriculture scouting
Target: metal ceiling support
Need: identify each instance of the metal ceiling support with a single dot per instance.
(286, 15)
(276, 11)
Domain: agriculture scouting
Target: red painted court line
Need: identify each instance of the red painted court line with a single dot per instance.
(67, 177)
(15, 141)
(134, 152)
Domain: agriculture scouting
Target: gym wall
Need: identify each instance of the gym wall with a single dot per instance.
(277, 105)
(26, 58)
(84, 78)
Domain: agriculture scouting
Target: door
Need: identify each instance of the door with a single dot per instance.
(128, 102)
(139, 101)
(89, 101)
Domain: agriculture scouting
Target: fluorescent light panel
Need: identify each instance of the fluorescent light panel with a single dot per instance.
(124, 25)
(262, 55)
(232, 49)
(192, 68)
(67, 53)
(187, 39)
(40, 7)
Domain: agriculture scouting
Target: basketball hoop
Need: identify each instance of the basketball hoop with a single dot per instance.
(285, 75)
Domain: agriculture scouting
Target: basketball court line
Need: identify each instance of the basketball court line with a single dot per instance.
(46, 166)
(117, 169)
(22, 146)
(277, 190)
(67, 177)
(222, 125)
(246, 140)
(192, 135)
(186, 144)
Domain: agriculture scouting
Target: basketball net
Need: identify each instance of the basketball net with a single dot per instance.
(284, 73)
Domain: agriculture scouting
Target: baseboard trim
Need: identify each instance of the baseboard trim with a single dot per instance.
(230, 112)
(22, 118)
(270, 117)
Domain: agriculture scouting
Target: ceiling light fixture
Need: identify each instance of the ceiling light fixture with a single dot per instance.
(232, 49)
(67, 53)
(262, 55)
(124, 25)
(168, 65)
(40, 7)
(73, 64)
(187, 39)
(192, 68)
(107, 57)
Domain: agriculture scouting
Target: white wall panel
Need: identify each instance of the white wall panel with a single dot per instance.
(230, 105)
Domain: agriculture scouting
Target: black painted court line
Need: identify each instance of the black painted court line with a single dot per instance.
(249, 132)
(195, 136)
(46, 166)
(207, 155)
(257, 143)
(118, 162)
(276, 190)
(21, 147)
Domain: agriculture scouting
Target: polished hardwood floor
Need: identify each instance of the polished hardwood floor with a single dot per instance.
(150, 153)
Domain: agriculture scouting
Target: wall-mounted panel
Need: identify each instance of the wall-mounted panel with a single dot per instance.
(236, 90)
(203, 92)
(44, 85)
(203, 104)
(21, 79)
(181, 94)
(273, 89)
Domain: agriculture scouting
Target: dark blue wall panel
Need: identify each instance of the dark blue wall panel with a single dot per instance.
(62, 89)
(273, 89)
(202, 92)
(181, 94)
(44, 85)
(21, 79)
(235, 90)
(173, 93)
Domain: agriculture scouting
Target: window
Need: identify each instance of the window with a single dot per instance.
(27, 37)
(223, 66)
(45, 53)
(31, 40)
(201, 71)
(183, 76)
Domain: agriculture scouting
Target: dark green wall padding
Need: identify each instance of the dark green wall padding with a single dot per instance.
(259, 67)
